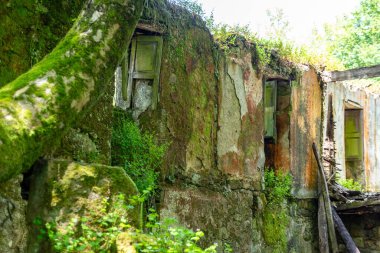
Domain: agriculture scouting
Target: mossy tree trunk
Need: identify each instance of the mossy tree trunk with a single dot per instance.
(37, 107)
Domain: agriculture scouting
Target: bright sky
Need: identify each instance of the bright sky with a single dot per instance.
(303, 15)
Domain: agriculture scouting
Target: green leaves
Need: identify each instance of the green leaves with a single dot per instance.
(92, 232)
(137, 153)
(277, 185)
(169, 237)
(350, 184)
(356, 39)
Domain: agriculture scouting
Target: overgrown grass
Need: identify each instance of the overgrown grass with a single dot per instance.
(287, 50)
(350, 184)
(169, 236)
(226, 35)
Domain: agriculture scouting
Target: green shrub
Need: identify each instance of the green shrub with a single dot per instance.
(350, 184)
(92, 232)
(169, 236)
(137, 152)
(98, 232)
(277, 185)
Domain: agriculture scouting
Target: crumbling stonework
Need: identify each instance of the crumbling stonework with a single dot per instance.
(211, 113)
(215, 213)
(13, 232)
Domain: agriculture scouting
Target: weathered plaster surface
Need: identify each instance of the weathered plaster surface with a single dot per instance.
(305, 128)
(369, 100)
(240, 118)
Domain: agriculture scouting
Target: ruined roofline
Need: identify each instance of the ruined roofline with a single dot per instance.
(352, 74)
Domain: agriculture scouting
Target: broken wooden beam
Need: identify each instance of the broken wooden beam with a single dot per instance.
(351, 74)
(322, 222)
(327, 204)
(343, 232)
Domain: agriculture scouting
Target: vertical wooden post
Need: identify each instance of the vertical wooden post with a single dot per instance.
(322, 222)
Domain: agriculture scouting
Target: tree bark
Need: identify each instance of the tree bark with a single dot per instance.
(37, 107)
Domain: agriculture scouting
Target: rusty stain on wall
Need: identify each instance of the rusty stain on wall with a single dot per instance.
(305, 122)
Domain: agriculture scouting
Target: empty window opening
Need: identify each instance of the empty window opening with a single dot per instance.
(277, 107)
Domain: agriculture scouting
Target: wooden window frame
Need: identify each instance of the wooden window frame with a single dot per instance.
(129, 73)
(274, 99)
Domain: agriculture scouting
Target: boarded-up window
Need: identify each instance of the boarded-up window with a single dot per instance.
(353, 143)
(270, 94)
(353, 136)
(143, 67)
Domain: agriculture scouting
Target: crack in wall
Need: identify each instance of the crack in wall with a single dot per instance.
(239, 95)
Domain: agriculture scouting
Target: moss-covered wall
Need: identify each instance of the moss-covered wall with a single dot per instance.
(41, 104)
(187, 108)
(211, 113)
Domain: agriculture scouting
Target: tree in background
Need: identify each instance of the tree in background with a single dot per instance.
(355, 40)
(279, 24)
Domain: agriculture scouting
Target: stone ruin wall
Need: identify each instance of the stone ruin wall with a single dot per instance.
(211, 111)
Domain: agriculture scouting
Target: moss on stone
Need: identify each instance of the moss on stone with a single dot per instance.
(62, 190)
(274, 228)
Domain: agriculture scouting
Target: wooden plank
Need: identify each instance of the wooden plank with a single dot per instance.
(322, 222)
(326, 198)
(359, 73)
(322, 227)
(347, 239)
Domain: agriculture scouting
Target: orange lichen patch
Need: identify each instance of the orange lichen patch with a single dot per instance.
(191, 64)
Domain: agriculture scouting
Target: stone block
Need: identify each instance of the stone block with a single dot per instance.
(62, 190)
(224, 218)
